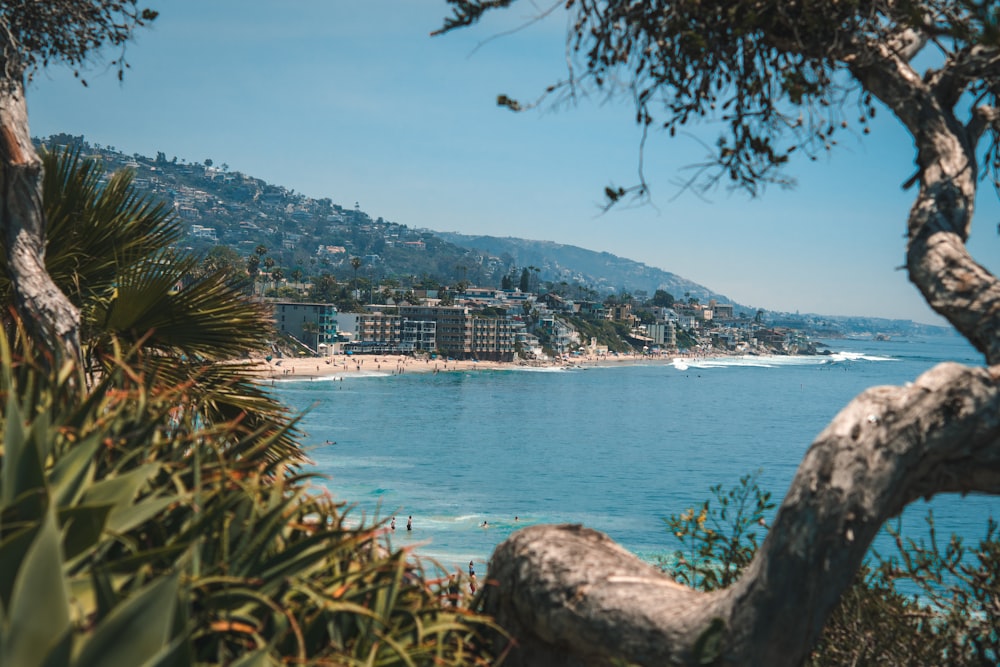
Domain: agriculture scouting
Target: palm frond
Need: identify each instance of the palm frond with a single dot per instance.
(204, 318)
(95, 226)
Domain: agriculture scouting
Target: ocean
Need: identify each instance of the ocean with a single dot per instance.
(616, 448)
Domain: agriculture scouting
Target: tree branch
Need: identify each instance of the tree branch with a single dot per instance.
(963, 68)
(984, 117)
(888, 447)
(938, 263)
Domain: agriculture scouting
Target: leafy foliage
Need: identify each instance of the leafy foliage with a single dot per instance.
(719, 540)
(927, 605)
(132, 533)
(35, 34)
(607, 332)
(156, 514)
(949, 616)
(777, 75)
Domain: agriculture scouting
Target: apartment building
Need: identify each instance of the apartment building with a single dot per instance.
(453, 327)
(419, 336)
(313, 324)
(663, 334)
(371, 332)
(492, 339)
(459, 334)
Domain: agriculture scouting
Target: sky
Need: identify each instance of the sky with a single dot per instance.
(355, 101)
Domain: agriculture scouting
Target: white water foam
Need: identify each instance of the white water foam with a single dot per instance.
(774, 361)
(540, 369)
(858, 356)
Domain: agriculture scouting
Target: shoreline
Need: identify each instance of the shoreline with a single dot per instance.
(311, 368)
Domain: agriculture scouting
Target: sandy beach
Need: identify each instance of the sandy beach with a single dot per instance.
(345, 365)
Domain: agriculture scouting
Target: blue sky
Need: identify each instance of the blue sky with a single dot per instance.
(356, 102)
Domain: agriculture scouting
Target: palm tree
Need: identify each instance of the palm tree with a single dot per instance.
(224, 258)
(312, 328)
(355, 264)
(253, 265)
(109, 250)
(259, 253)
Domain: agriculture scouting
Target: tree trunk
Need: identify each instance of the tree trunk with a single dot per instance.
(45, 311)
(570, 596)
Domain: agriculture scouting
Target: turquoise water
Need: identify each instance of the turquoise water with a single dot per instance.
(615, 448)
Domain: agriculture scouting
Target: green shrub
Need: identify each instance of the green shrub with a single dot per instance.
(152, 505)
(925, 605)
(718, 540)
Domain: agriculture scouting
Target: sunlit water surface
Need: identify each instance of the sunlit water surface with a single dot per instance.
(614, 448)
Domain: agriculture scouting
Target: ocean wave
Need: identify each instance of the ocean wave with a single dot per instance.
(541, 369)
(774, 361)
(858, 356)
(352, 375)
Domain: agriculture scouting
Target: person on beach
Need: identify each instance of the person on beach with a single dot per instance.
(472, 569)
(472, 584)
(392, 524)
(409, 522)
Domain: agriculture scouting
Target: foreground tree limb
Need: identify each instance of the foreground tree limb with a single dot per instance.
(937, 261)
(34, 35)
(53, 320)
(571, 596)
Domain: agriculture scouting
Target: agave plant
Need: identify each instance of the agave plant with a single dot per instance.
(157, 514)
(130, 534)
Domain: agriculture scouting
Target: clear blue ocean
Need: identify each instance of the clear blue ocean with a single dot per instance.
(615, 448)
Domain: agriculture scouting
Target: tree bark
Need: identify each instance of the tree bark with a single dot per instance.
(46, 312)
(937, 261)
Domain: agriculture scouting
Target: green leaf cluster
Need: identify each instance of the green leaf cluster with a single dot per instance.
(778, 77)
(948, 614)
(718, 540)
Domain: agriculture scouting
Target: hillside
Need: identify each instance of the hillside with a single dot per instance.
(308, 238)
(316, 236)
(601, 270)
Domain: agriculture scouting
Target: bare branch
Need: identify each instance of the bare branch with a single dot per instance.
(984, 117)
(967, 67)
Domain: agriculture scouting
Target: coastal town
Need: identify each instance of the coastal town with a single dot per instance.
(498, 325)
(340, 282)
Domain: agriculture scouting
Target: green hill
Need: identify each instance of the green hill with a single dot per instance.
(316, 236)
